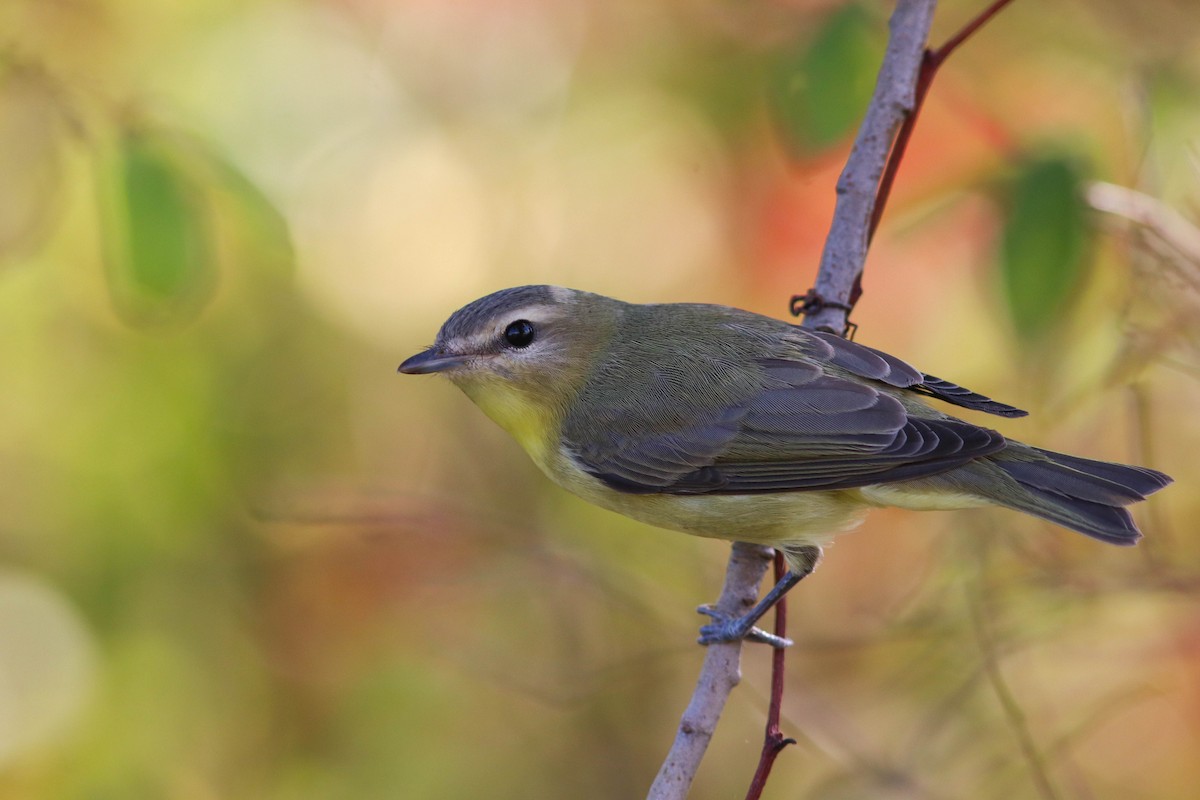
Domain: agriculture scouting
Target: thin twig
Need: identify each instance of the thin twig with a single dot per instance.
(931, 61)
(773, 739)
(967, 31)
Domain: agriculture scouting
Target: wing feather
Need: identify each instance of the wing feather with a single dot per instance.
(867, 362)
(953, 393)
(796, 427)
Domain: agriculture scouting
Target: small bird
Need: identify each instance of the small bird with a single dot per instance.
(723, 423)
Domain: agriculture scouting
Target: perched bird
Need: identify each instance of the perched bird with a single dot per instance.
(722, 423)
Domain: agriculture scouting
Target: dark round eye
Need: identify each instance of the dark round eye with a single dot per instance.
(519, 334)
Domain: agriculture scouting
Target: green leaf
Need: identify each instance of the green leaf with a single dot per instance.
(1043, 245)
(819, 90)
(161, 253)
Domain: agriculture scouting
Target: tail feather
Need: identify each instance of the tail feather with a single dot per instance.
(1142, 481)
(1078, 493)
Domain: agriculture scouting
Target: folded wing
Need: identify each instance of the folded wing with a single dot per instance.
(799, 426)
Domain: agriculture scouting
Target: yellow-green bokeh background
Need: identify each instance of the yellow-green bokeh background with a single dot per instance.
(242, 558)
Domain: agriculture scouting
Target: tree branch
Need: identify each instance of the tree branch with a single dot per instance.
(841, 265)
(721, 672)
(895, 96)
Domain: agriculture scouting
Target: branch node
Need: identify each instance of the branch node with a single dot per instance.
(812, 301)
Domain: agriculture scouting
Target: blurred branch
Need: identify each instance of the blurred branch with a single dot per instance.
(1143, 445)
(1008, 702)
(1173, 244)
(1166, 225)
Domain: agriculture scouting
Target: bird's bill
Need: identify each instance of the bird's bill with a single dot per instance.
(431, 360)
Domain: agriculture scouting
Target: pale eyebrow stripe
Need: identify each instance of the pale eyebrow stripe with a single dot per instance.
(534, 312)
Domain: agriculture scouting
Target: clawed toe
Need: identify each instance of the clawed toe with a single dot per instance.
(725, 629)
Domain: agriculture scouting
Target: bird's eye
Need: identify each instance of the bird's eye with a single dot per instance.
(519, 334)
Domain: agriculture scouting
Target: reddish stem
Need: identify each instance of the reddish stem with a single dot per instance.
(943, 52)
(773, 740)
(929, 66)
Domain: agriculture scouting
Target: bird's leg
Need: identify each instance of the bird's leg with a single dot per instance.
(730, 629)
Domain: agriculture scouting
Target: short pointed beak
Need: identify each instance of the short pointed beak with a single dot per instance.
(431, 360)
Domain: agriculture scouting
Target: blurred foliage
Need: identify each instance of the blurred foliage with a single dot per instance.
(1042, 249)
(818, 89)
(242, 558)
(161, 265)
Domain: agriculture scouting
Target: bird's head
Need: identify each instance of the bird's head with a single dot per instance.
(521, 352)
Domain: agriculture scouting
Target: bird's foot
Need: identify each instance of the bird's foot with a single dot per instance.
(725, 628)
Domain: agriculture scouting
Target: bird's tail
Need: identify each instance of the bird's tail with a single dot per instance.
(1077, 493)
